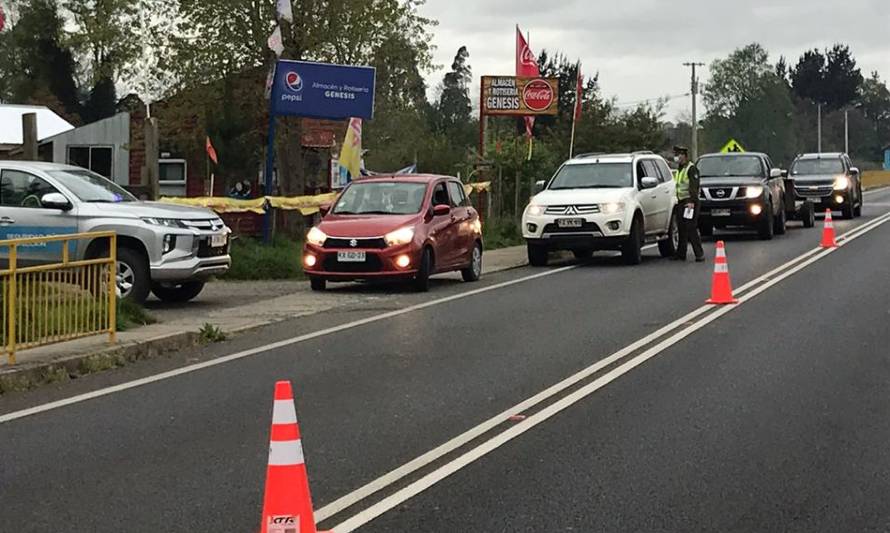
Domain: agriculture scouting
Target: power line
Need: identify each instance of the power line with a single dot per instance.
(648, 100)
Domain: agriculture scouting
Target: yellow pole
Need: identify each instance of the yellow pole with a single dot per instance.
(10, 349)
(112, 291)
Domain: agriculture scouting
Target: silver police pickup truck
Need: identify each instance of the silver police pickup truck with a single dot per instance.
(167, 249)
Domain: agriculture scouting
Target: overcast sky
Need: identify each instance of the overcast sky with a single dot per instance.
(638, 46)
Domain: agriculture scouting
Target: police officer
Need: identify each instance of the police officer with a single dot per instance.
(687, 181)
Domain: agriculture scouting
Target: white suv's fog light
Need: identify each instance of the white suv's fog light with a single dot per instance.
(614, 225)
(756, 209)
(532, 227)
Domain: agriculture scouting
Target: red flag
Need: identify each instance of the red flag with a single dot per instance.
(527, 67)
(2, 19)
(579, 91)
(211, 152)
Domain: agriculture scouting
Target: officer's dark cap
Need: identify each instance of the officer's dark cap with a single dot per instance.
(681, 150)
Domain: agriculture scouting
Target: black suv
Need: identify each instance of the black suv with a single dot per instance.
(741, 189)
(830, 181)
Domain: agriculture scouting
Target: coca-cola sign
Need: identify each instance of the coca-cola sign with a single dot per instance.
(518, 96)
(537, 95)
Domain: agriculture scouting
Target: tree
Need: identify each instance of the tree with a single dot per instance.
(874, 104)
(831, 79)
(737, 79)
(808, 76)
(35, 65)
(842, 77)
(215, 38)
(747, 100)
(454, 105)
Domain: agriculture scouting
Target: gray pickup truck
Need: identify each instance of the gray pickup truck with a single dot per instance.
(167, 249)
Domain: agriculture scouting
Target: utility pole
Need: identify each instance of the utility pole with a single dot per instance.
(847, 131)
(819, 127)
(694, 92)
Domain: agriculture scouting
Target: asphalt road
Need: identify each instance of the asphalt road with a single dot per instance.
(771, 417)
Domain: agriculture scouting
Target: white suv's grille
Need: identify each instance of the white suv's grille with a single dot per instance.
(214, 224)
(572, 209)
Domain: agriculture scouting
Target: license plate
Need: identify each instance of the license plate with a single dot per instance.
(218, 241)
(351, 257)
(719, 212)
(570, 222)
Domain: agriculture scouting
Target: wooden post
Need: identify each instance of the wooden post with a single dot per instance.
(29, 136)
(517, 184)
(151, 171)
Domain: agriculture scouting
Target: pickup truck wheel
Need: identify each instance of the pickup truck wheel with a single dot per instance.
(847, 208)
(632, 249)
(668, 247)
(808, 214)
(857, 211)
(133, 276)
(537, 255)
(767, 225)
(177, 292)
(781, 221)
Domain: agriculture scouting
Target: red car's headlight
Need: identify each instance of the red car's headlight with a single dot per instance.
(399, 236)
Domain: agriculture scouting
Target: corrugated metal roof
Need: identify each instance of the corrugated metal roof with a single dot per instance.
(48, 123)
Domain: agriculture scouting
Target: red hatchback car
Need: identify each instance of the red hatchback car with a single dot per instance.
(398, 227)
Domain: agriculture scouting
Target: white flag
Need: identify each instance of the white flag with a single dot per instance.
(285, 11)
(275, 42)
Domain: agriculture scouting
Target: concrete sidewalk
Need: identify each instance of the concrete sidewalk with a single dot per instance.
(233, 307)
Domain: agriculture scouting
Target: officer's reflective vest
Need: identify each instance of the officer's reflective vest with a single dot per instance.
(681, 178)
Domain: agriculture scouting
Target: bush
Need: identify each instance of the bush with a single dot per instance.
(501, 233)
(253, 260)
(131, 315)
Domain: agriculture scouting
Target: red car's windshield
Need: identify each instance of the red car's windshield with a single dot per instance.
(381, 198)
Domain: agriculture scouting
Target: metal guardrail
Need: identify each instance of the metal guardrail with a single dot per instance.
(55, 299)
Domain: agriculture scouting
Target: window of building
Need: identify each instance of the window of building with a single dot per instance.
(95, 158)
(172, 175)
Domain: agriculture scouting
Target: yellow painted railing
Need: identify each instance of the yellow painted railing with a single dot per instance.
(46, 297)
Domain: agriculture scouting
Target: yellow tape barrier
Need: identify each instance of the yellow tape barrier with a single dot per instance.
(307, 205)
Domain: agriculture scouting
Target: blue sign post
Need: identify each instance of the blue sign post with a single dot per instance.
(315, 90)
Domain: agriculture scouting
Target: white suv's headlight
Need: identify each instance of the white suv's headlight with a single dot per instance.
(399, 236)
(841, 183)
(611, 208)
(536, 210)
(165, 222)
(753, 192)
(316, 237)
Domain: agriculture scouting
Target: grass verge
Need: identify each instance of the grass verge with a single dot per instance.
(131, 315)
(875, 178)
(254, 260)
(501, 233)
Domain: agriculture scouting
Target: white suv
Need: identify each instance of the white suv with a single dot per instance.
(603, 202)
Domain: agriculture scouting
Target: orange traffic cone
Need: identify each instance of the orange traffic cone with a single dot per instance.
(828, 237)
(287, 506)
(721, 287)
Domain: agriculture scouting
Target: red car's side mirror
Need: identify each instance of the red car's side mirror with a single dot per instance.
(441, 210)
(324, 209)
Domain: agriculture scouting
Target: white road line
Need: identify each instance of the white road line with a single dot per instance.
(495, 442)
(272, 346)
(429, 457)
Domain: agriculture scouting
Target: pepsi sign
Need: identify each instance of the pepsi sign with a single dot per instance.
(322, 90)
(293, 81)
